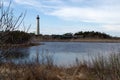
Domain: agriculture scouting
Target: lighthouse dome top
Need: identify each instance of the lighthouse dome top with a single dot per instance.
(37, 16)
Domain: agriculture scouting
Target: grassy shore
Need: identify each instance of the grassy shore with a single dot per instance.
(82, 40)
(99, 68)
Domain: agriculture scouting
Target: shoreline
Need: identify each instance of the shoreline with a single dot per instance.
(84, 40)
(36, 43)
(7, 46)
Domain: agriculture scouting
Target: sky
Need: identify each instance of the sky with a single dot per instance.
(64, 16)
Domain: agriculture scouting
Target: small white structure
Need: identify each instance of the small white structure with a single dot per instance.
(38, 25)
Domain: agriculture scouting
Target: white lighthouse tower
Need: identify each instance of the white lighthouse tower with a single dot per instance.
(38, 25)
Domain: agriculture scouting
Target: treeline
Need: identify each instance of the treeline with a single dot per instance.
(91, 34)
(14, 37)
(81, 34)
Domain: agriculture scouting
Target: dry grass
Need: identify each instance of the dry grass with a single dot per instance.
(101, 68)
(10, 71)
(94, 40)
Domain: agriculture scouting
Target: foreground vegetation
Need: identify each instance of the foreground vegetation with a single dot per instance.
(10, 35)
(15, 37)
(99, 68)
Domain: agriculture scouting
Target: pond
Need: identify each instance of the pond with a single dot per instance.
(65, 53)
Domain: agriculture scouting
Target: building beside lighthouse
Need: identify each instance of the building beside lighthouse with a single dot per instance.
(38, 25)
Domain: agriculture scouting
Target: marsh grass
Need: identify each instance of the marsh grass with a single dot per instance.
(33, 70)
(99, 68)
(106, 68)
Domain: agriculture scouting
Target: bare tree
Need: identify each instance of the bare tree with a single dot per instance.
(8, 22)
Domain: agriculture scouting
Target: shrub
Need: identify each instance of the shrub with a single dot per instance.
(15, 37)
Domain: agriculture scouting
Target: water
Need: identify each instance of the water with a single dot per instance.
(65, 53)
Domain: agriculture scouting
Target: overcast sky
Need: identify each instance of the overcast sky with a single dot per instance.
(62, 16)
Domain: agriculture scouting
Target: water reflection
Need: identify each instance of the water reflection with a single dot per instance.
(63, 53)
(14, 54)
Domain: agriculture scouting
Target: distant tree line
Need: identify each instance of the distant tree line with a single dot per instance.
(15, 37)
(81, 34)
(91, 34)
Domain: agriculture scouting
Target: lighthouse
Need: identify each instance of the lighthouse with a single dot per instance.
(38, 25)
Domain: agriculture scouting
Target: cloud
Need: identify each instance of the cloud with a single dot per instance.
(112, 28)
(77, 0)
(87, 15)
(33, 3)
(90, 10)
(98, 11)
(44, 6)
